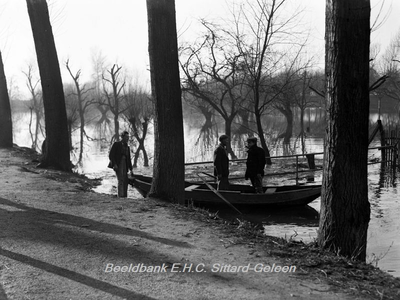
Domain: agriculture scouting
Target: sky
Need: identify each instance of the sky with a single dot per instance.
(118, 30)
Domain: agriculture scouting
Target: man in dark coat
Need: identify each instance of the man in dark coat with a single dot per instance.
(120, 160)
(221, 163)
(255, 164)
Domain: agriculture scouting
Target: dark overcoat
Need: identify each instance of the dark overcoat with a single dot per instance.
(116, 153)
(221, 161)
(255, 162)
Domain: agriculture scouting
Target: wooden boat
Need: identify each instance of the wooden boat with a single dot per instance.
(241, 195)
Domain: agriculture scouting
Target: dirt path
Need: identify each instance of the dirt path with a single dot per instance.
(60, 241)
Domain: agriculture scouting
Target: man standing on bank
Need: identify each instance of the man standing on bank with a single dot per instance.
(255, 164)
(221, 163)
(120, 160)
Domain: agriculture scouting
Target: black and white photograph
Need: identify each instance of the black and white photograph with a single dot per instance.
(199, 150)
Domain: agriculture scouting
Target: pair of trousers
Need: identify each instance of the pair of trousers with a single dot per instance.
(122, 176)
(223, 183)
(256, 182)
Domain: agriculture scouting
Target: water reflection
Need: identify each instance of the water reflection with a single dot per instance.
(299, 223)
(383, 243)
(383, 247)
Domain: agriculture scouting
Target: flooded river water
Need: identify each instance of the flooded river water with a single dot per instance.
(383, 248)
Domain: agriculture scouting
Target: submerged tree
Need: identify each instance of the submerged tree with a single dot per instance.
(103, 124)
(169, 151)
(139, 114)
(56, 146)
(83, 104)
(115, 98)
(206, 130)
(262, 30)
(35, 107)
(72, 108)
(6, 139)
(303, 99)
(390, 65)
(212, 74)
(345, 209)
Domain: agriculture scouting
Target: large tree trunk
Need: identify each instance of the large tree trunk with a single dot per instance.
(169, 152)
(345, 210)
(6, 138)
(57, 139)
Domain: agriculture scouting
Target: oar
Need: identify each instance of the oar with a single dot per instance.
(218, 194)
(212, 176)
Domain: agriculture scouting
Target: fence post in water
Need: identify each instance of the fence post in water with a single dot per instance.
(398, 145)
(297, 169)
(395, 142)
(382, 134)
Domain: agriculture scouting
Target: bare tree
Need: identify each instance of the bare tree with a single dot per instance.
(83, 105)
(6, 138)
(139, 114)
(261, 31)
(212, 74)
(35, 106)
(169, 150)
(56, 146)
(292, 91)
(197, 108)
(103, 124)
(345, 209)
(303, 99)
(115, 98)
(390, 68)
(72, 108)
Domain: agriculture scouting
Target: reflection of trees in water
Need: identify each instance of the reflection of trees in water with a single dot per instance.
(312, 145)
(200, 120)
(243, 129)
(279, 148)
(387, 178)
(206, 134)
(382, 182)
(139, 114)
(103, 124)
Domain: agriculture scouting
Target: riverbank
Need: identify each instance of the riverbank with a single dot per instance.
(60, 240)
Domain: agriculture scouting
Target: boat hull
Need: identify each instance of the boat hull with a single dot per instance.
(241, 195)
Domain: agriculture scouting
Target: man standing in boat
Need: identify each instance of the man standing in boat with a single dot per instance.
(255, 164)
(221, 163)
(120, 161)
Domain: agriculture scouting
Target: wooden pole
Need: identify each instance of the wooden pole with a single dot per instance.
(218, 194)
(382, 134)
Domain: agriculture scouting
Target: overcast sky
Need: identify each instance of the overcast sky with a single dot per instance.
(118, 29)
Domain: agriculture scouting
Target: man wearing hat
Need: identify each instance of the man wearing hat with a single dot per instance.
(120, 161)
(221, 163)
(255, 164)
